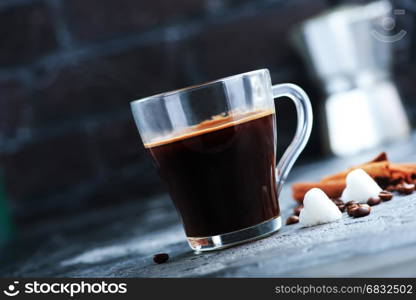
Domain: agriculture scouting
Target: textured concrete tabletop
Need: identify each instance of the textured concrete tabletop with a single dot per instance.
(120, 242)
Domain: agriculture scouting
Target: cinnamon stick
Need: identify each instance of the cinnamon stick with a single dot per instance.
(404, 171)
(332, 188)
(374, 169)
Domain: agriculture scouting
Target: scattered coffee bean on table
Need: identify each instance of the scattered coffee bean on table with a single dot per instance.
(342, 207)
(406, 188)
(391, 188)
(351, 203)
(297, 210)
(160, 258)
(351, 208)
(374, 201)
(361, 211)
(338, 202)
(292, 220)
(385, 196)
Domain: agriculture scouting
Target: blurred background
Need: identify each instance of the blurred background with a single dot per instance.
(68, 69)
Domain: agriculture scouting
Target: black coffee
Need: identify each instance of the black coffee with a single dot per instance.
(221, 176)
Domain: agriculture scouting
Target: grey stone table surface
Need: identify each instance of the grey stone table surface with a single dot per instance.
(120, 241)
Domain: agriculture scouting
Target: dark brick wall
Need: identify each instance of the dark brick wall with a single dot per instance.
(26, 33)
(88, 21)
(68, 69)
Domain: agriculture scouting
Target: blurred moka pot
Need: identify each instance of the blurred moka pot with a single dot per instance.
(351, 56)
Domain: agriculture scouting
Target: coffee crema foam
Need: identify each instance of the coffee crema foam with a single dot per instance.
(215, 123)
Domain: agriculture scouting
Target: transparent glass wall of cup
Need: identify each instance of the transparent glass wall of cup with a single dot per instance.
(214, 145)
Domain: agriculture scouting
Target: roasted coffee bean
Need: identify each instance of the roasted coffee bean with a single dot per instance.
(374, 201)
(351, 208)
(362, 211)
(351, 203)
(391, 188)
(160, 258)
(292, 220)
(385, 195)
(342, 207)
(406, 188)
(338, 201)
(297, 210)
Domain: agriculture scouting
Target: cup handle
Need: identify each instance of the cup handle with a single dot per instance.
(303, 130)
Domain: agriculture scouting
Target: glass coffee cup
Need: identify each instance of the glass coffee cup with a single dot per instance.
(214, 145)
